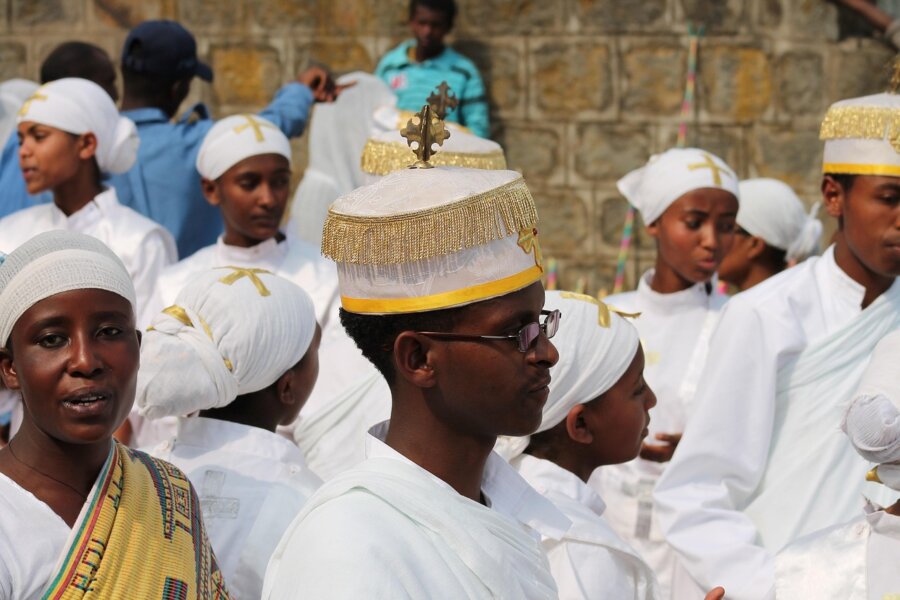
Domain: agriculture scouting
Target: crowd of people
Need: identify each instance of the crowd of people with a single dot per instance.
(212, 388)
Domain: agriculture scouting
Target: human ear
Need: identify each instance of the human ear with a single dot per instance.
(8, 370)
(284, 388)
(833, 196)
(756, 246)
(577, 426)
(414, 358)
(653, 229)
(209, 188)
(87, 146)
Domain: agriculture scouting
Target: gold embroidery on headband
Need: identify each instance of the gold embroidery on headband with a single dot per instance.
(422, 132)
(709, 163)
(241, 272)
(604, 310)
(528, 241)
(872, 475)
(256, 126)
(26, 106)
(442, 100)
(180, 314)
(383, 158)
(862, 122)
(409, 237)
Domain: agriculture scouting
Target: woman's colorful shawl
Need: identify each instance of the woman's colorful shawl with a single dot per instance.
(140, 535)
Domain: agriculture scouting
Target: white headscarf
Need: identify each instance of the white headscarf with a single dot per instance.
(772, 211)
(231, 331)
(80, 106)
(54, 262)
(235, 138)
(872, 421)
(13, 92)
(668, 176)
(596, 347)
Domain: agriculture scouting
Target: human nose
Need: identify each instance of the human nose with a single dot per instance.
(650, 401)
(83, 358)
(544, 351)
(710, 237)
(24, 148)
(266, 196)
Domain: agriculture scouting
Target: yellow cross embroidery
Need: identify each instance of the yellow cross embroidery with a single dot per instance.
(241, 272)
(180, 314)
(604, 310)
(255, 125)
(709, 163)
(26, 106)
(527, 242)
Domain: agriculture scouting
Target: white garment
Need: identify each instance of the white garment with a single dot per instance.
(390, 529)
(850, 561)
(591, 560)
(13, 92)
(251, 483)
(763, 460)
(674, 330)
(144, 246)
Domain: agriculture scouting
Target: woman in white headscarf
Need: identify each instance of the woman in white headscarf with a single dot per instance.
(774, 231)
(71, 136)
(240, 345)
(858, 560)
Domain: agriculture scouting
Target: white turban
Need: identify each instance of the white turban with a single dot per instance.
(231, 331)
(772, 211)
(872, 421)
(596, 346)
(54, 262)
(235, 138)
(670, 175)
(80, 106)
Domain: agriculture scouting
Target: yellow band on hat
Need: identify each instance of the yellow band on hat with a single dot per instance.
(475, 293)
(853, 169)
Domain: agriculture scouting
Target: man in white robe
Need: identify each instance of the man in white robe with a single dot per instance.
(762, 461)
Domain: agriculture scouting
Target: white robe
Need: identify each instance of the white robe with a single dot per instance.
(143, 245)
(251, 483)
(591, 560)
(390, 529)
(675, 330)
(763, 460)
(851, 561)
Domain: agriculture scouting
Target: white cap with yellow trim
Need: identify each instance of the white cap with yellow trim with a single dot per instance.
(862, 136)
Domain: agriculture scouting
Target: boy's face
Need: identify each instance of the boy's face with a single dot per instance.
(429, 27)
(696, 232)
(75, 361)
(488, 388)
(870, 220)
(47, 156)
(619, 418)
(252, 196)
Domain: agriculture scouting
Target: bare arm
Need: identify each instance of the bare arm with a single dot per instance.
(874, 15)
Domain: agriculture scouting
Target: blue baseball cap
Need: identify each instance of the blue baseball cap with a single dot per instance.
(163, 48)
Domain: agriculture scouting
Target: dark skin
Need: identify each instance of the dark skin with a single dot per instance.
(452, 398)
(429, 27)
(867, 243)
(748, 263)
(74, 359)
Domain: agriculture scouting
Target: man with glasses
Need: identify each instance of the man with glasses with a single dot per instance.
(439, 273)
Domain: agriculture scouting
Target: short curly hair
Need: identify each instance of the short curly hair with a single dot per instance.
(448, 7)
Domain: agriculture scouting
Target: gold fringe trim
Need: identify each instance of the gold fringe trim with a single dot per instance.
(383, 158)
(424, 234)
(862, 122)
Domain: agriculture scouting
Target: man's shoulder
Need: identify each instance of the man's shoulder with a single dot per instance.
(460, 62)
(395, 57)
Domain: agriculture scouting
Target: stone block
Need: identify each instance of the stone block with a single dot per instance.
(811, 19)
(53, 14)
(604, 152)
(342, 55)
(500, 64)
(615, 15)
(860, 68)
(212, 15)
(509, 16)
(565, 218)
(794, 157)
(12, 60)
(585, 274)
(654, 78)
(571, 76)
(246, 74)
(771, 13)
(801, 83)
(735, 82)
(715, 16)
(125, 14)
(610, 221)
(537, 152)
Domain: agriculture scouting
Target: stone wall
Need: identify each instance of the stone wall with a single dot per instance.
(581, 91)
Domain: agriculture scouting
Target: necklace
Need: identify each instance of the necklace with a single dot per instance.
(39, 472)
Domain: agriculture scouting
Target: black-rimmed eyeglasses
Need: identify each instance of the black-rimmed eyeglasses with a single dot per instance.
(525, 336)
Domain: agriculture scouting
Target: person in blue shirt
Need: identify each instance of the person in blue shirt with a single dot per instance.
(69, 59)
(159, 61)
(417, 66)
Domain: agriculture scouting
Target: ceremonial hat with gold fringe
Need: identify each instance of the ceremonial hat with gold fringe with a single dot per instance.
(432, 237)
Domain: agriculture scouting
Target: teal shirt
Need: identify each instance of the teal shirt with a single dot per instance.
(413, 82)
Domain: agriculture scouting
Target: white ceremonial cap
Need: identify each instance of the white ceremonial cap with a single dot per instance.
(235, 138)
(668, 176)
(862, 136)
(771, 210)
(80, 106)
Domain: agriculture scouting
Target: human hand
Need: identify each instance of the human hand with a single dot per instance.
(661, 452)
(322, 84)
(715, 594)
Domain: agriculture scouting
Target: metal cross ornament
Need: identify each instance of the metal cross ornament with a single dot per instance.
(442, 100)
(423, 131)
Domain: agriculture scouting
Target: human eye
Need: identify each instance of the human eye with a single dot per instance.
(726, 226)
(693, 223)
(110, 331)
(248, 183)
(51, 340)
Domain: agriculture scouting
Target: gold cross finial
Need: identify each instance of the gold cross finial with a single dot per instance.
(241, 272)
(442, 100)
(27, 104)
(709, 163)
(255, 125)
(424, 130)
(604, 310)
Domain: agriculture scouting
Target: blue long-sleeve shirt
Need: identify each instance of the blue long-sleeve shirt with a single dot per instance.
(413, 82)
(13, 193)
(164, 184)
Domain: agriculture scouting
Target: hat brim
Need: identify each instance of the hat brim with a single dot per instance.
(204, 71)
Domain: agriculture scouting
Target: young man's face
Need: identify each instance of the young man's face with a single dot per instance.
(48, 156)
(487, 387)
(75, 361)
(252, 196)
(870, 216)
(696, 232)
(429, 27)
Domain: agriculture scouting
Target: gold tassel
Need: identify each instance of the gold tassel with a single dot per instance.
(429, 233)
(383, 158)
(862, 122)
